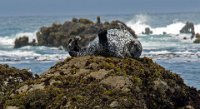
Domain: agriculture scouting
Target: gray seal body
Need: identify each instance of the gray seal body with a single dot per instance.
(113, 42)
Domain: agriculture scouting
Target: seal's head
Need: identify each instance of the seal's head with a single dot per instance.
(135, 48)
(73, 46)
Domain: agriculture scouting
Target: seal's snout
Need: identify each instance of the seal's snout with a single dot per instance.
(135, 49)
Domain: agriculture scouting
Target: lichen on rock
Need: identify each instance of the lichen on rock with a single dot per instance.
(112, 83)
(10, 78)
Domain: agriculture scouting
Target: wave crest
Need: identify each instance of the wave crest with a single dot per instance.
(9, 40)
(140, 22)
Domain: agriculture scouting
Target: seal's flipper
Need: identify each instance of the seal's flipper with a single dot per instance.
(103, 37)
(73, 53)
(103, 42)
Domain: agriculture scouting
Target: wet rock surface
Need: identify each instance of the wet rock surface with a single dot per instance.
(58, 35)
(103, 82)
(10, 78)
(197, 40)
(24, 41)
(188, 29)
(147, 31)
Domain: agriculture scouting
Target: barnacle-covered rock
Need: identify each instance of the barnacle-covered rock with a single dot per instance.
(105, 82)
(10, 78)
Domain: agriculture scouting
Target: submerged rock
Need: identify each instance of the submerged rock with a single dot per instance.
(23, 41)
(121, 83)
(164, 33)
(197, 40)
(148, 31)
(188, 29)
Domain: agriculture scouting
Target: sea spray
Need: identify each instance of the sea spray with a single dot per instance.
(9, 40)
(140, 22)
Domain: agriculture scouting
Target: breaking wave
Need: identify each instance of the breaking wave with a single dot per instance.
(140, 22)
(9, 40)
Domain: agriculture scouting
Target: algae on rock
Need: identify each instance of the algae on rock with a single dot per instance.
(106, 82)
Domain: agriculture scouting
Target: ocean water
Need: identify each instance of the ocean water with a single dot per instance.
(169, 50)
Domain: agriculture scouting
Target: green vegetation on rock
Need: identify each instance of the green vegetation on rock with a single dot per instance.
(104, 82)
(10, 78)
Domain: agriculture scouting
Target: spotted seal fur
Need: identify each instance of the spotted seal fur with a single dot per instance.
(112, 42)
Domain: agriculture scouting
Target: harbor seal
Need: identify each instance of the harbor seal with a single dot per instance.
(113, 42)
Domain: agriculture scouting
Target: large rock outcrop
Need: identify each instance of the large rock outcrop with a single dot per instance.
(105, 82)
(59, 34)
(147, 31)
(188, 29)
(24, 41)
(10, 78)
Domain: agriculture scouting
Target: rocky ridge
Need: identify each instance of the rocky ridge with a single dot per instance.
(10, 78)
(58, 35)
(104, 82)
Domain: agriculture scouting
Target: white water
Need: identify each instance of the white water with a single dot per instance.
(140, 22)
(39, 53)
(9, 40)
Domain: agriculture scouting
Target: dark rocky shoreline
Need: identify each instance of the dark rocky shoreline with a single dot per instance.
(93, 81)
(97, 82)
(58, 35)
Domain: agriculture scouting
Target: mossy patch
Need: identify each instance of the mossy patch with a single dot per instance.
(122, 83)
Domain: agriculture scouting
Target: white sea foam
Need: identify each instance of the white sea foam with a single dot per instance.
(173, 28)
(9, 40)
(18, 53)
(185, 38)
(140, 26)
(47, 57)
(140, 22)
(31, 55)
(159, 52)
(31, 35)
(6, 41)
(197, 28)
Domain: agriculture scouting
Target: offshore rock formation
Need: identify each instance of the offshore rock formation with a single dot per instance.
(197, 40)
(101, 82)
(113, 42)
(23, 41)
(59, 34)
(188, 28)
(147, 31)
